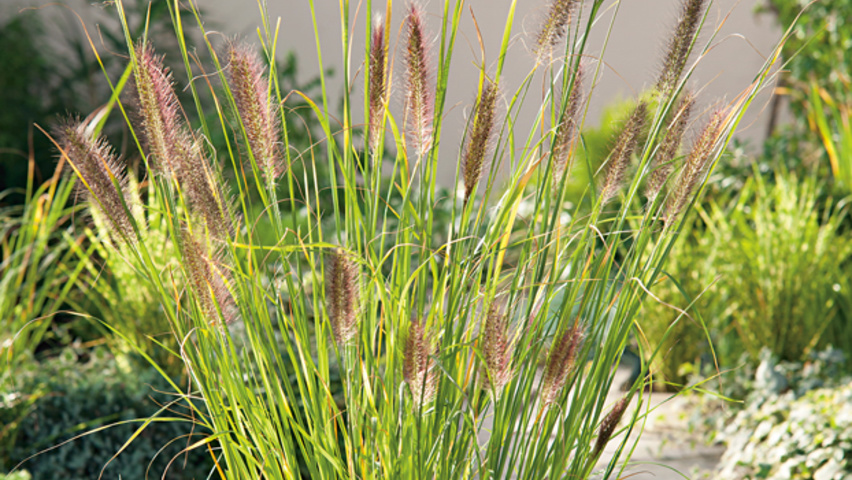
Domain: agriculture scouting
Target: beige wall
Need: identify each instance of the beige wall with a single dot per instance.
(631, 59)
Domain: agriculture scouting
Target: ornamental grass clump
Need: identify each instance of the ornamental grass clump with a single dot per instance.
(480, 348)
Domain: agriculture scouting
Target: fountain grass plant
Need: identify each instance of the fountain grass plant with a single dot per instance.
(455, 362)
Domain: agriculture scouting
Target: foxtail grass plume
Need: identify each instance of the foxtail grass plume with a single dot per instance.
(560, 364)
(695, 166)
(159, 109)
(622, 152)
(250, 88)
(418, 367)
(663, 164)
(208, 279)
(566, 132)
(608, 425)
(479, 138)
(342, 295)
(677, 52)
(497, 349)
(174, 149)
(554, 28)
(102, 179)
(378, 86)
(419, 108)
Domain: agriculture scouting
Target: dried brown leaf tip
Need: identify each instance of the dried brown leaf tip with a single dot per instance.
(609, 424)
(342, 295)
(621, 154)
(418, 367)
(553, 28)
(255, 108)
(102, 178)
(663, 164)
(497, 349)
(479, 138)
(418, 94)
(174, 148)
(566, 132)
(208, 279)
(696, 165)
(378, 85)
(679, 44)
(560, 364)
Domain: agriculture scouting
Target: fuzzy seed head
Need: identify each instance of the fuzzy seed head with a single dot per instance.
(173, 146)
(207, 195)
(560, 364)
(621, 154)
(566, 132)
(497, 350)
(418, 94)
(208, 280)
(159, 109)
(677, 52)
(479, 140)
(342, 295)
(377, 85)
(696, 165)
(419, 369)
(664, 159)
(257, 111)
(102, 178)
(609, 424)
(554, 28)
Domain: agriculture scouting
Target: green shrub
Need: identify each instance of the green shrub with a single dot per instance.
(764, 269)
(78, 392)
(675, 321)
(782, 260)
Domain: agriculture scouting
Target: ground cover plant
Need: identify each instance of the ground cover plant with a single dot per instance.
(455, 361)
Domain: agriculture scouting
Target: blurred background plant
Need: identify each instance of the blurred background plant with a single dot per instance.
(82, 396)
(38, 269)
(765, 268)
(816, 85)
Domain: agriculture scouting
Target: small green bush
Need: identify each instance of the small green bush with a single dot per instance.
(72, 398)
(765, 269)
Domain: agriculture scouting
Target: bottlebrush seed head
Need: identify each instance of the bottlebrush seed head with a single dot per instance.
(608, 425)
(479, 139)
(418, 94)
(567, 130)
(560, 364)
(695, 165)
(677, 52)
(102, 178)
(206, 194)
(623, 151)
(418, 367)
(554, 28)
(208, 280)
(663, 164)
(342, 295)
(250, 89)
(159, 109)
(377, 84)
(497, 349)
(173, 146)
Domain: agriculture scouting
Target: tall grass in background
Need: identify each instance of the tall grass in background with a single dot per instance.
(764, 269)
(454, 361)
(37, 267)
(783, 262)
